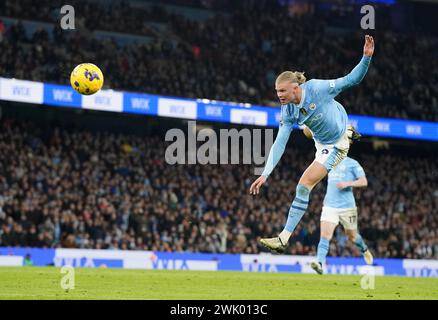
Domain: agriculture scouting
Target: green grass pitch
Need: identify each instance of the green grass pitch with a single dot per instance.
(99, 283)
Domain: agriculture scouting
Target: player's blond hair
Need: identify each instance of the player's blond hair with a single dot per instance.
(291, 76)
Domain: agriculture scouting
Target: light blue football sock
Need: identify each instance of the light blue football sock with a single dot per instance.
(360, 243)
(323, 248)
(298, 207)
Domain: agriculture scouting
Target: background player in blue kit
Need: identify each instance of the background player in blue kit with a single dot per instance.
(311, 103)
(340, 207)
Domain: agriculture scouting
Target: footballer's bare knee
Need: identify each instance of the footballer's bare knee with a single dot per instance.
(326, 235)
(327, 229)
(313, 175)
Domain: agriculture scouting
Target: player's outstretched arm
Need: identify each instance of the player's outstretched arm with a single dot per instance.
(275, 154)
(334, 87)
(359, 71)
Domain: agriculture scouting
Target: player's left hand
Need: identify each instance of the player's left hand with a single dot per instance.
(342, 185)
(368, 48)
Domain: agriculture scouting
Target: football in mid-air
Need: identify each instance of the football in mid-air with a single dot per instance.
(86, 78)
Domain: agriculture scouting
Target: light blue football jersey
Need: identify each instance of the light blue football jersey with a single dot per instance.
(347, 170)
(318, 110)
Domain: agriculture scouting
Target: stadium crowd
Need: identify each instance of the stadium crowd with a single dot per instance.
(71, 188)
(232, 56)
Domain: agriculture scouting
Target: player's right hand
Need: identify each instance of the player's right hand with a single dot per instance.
(255, 187)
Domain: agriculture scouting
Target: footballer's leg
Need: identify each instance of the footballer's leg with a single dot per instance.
(357, 239)
(349, 221)
(326, 158)
(329, 222)
(313, 174)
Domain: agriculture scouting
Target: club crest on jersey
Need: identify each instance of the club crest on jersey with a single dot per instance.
(312, 106)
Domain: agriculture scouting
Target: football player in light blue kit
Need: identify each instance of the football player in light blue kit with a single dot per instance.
(312, 104)
(340, 207)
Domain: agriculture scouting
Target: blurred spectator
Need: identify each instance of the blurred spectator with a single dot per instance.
(2, 30)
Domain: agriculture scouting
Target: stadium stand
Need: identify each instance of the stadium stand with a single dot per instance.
(231, 55)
